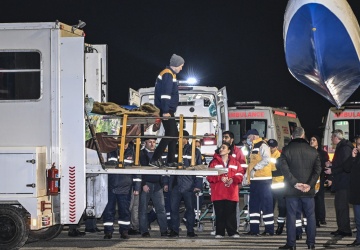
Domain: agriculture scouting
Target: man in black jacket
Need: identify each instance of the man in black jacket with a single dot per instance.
(301, 167)
(185, 187)
(120, 187)
(341, 182)
(352, 166)
(167, 100)
(152, 188)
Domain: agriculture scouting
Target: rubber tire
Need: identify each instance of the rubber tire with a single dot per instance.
(15, 219)
(45, 234)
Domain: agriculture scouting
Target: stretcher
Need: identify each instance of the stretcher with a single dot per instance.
(209, 212)
(244, 212)
(116, 131)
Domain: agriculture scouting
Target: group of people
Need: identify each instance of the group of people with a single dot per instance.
(298, 178)
(225, 188)
(344, 172)
(294, 179)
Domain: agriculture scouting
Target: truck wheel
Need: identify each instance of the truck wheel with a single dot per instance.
(44, 234)
(14, 230)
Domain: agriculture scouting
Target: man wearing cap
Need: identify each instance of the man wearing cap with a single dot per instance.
(167, 99)
(259, 176)
(277, 185)
(341, 182)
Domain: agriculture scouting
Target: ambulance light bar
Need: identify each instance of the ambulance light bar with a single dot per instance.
(281, 113)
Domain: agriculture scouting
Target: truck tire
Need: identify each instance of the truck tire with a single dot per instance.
(45, 234)
(14, 230)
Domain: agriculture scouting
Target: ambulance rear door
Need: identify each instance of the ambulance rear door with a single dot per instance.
(347, 119)
(284, 122)
(222, 112)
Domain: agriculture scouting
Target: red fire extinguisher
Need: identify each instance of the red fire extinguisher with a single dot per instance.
(53, 180)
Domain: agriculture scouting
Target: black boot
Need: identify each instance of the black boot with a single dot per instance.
(279, 229)
(288, 247)
(124, 235)
(75, 233)
(108, 236)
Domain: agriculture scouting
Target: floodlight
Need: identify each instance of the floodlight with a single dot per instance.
(190, 81)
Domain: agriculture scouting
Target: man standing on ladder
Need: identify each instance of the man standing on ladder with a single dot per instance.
(167, 99)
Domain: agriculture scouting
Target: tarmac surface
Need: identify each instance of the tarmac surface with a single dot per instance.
(204, 240)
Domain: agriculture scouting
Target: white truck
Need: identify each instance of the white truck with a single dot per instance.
(48, 178)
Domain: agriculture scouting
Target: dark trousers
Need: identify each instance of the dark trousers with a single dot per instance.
(278, 196)
(261, 201)
(134, 211)
(342, 210)
(167, 197)
(225, 211)
(90, 223)
(170, 130)
(299, 222)
(176, 196)
(293, 206)
(357, 221)
(320, 212)
(123, 203)
(157, 196)
(152, 214)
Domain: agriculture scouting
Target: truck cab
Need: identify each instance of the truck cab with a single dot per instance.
(270, 122)
(209, 104)
(346, 118)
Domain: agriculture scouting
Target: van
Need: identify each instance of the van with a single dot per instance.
(270, 122)
(346, 118)
(209, 104)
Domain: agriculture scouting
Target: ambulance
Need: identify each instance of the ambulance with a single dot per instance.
(346, 118)
(208, 104)
(270, 122)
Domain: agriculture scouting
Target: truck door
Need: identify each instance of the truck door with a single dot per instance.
(134, 97)
(96, 73)
(222, 112)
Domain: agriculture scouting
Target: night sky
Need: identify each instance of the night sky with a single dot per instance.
(232, 43)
